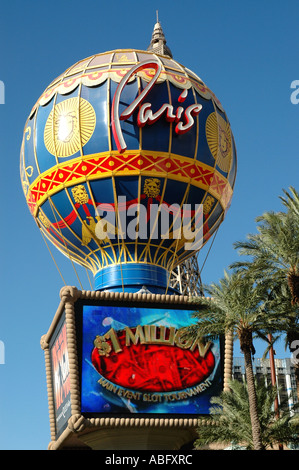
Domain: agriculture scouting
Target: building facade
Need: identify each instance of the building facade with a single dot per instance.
(285, 377)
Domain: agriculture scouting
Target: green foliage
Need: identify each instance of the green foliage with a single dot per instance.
(272, 259)
(236, 303)
(291, 201)
(274, 249)
(229, 420)
(273, 252)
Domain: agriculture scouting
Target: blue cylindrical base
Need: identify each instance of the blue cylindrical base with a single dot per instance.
(131, 277)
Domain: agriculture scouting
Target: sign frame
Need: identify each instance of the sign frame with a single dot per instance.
(80, 424)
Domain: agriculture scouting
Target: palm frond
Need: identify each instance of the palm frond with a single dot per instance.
(229, 419)
(291, 201)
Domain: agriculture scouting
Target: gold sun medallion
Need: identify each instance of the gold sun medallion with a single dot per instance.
(220, 141)
(69, 126)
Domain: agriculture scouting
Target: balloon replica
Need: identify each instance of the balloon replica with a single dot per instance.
(118, 156)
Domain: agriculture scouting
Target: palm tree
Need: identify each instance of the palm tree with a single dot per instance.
(280, 303)
(229, 420)
(236, 305)
(274, 250)
(272, 258)
(291, 201)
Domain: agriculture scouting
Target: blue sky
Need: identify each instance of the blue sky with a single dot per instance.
(246, 52)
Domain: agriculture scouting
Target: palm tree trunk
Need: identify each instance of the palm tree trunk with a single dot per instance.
(292, 340)
(228, 360)
(293, 282)
(255, 423)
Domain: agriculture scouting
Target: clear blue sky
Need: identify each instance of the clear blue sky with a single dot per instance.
(246, 52)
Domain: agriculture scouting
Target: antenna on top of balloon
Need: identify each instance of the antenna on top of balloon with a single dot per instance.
(158, 41)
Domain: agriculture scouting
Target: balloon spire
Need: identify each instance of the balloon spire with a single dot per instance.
(158, 41)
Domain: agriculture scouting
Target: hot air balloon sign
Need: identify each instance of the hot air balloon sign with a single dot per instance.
(128, 165)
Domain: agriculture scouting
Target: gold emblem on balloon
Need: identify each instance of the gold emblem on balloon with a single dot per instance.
(219, 140)
(98, 228)
(43, 219)
(152, 187)
(208, 204)
(80, 194)
(69, 127)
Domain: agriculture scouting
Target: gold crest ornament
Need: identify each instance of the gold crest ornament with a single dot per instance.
(43, 219)
(80, 194)
(97, 229)
(219, 140)
(88, 230)
(208, 204)
(69, 127)
(100, 230)
(152, 187)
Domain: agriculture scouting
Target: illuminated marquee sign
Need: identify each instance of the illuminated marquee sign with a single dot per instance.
(125, 355)
(182, 117)
(135, 359)
(60, 377)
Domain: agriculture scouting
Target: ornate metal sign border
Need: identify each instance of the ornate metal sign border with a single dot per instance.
(77, 423)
